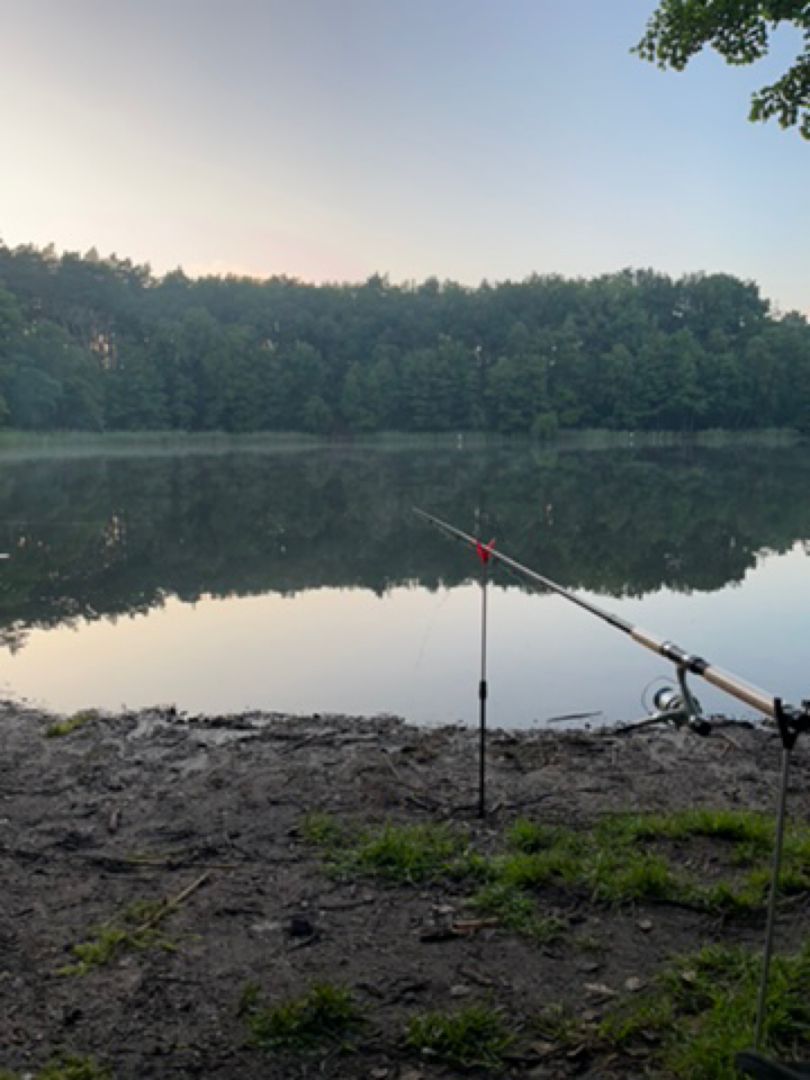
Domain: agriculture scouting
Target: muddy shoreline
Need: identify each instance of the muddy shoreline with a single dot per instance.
(139, 807)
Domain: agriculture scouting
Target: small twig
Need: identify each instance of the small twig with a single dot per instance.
(431, 805)
(349, 904)
(573, 716)
(176, 862)
(639, 725)
(730, 743)
(471, 926)
(521, 804)
(173, 904)
(461, 928)
(315, 736)
(476, 976)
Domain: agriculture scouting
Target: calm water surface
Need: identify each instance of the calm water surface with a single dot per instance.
(301, 581)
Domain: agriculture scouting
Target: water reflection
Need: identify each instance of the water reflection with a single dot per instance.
(95, 539)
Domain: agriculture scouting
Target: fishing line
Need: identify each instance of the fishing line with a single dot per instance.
(429, 629)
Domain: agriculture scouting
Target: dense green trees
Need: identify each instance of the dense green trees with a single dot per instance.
(100, 344)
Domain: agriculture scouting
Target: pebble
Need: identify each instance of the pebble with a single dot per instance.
(589, 966)
(542, 1048)
(299, 926)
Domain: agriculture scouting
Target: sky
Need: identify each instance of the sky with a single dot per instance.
(334, 139)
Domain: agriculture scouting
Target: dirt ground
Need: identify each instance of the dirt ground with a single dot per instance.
(140, 806)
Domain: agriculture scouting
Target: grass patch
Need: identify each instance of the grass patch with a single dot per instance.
(109, 943)
(70, 1068)
(530, 837)
(615, 863)
(628, 874)
(73, 723)
(558, 1025)
(475, 1037)
(325, 1014)
(404, 854)
(605, 861)
(412, 853)
(323, 831)
(701, 1013)
(139, 932)
(623, 858)
(740, 826)
(100, 950)
(516, 911)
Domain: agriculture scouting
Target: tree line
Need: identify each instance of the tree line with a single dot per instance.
(102, 344)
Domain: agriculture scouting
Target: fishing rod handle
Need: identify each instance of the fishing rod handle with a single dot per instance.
(723, 680)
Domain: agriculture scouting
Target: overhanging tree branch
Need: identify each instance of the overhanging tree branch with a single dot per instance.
(739, 30)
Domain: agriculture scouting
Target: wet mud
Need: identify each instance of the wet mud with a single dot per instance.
(206, 813)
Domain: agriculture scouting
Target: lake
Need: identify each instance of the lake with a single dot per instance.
(300, 580)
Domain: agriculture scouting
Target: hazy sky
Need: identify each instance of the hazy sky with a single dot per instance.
(329, 139)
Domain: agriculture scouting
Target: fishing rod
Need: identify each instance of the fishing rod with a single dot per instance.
(760, 700)
(791, 720)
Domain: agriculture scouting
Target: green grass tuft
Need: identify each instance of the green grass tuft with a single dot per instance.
(701, 1013)
(111, 941)
(248, 999)
(140, 912)
(73, 723)
(99, 951)
(629, 874)
(517, 911)
(411, 853)
(326, 1014)
(475, 1037)
(399, 853)
(69, 1068)
(322, 830)
(558, 1025)
(74, 1069)
(529, 836)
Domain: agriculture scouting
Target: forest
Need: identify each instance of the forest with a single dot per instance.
(101, 344)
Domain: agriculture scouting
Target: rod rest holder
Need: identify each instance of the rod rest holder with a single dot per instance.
(695, 720)
(791, 721)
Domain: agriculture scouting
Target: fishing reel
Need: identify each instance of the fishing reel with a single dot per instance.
(678, 706)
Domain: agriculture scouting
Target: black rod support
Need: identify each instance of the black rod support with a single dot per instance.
(482, 702)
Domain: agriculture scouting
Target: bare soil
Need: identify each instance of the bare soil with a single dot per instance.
(138, 806)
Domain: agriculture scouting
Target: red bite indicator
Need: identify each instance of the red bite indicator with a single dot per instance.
(484, 550)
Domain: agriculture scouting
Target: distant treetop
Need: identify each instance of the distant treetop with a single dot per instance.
(89, 343)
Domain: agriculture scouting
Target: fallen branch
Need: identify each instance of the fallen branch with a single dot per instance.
(173, 904)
